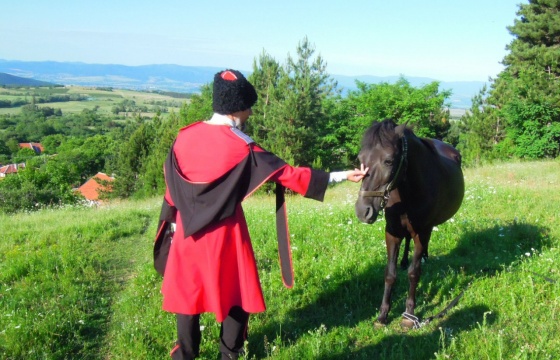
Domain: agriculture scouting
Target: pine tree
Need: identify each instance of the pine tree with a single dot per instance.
(480, 130)
(527, 92)
(131, 155)
(265, 77)
(289, 116)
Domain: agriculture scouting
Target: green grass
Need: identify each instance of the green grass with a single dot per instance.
(104, 100)
(79, 283)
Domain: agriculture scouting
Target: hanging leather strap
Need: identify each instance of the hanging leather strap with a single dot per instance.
(283, 236)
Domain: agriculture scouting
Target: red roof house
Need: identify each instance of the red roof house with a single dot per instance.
(37, 147)
(10, 169)
(92, 188)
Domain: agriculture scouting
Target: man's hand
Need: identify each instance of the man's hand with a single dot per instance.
(357, 175)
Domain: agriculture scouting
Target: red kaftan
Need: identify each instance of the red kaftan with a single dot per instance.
(215, 269)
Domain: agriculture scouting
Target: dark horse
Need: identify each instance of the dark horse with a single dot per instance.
(419, 184)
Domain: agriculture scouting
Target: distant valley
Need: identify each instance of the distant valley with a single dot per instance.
(187, 79)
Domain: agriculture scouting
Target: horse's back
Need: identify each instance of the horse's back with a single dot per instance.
(452, 188)
(443, 149)
(449, 188)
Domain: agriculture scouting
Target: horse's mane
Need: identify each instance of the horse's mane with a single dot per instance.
(380, 132)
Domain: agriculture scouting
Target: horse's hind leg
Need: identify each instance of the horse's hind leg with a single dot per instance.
(414, 272)
(393, 244)
(425, 248)
(404, 260)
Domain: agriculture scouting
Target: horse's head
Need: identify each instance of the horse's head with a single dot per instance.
(382, 152)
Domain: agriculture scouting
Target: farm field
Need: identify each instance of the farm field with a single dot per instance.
(102, 99)
(78, 283)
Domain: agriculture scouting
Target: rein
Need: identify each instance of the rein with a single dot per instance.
(417, 324)
(392, 184)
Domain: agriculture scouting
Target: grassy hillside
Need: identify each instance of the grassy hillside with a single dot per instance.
(104, 99)
(78, 283)
(11, 80)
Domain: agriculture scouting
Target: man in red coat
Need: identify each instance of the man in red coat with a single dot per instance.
(211, 168)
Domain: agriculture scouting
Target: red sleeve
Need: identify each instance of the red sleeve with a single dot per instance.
(306, 181)
(294, 178)
(309, 182)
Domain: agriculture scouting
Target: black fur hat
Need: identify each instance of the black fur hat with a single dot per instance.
(232, 92)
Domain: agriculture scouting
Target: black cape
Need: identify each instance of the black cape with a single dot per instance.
(200, 205)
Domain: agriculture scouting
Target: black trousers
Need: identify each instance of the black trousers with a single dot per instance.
(233, 334)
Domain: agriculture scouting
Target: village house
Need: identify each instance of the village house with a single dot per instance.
(13, 168)
(37, 147)
(95, 186)
(10, 169)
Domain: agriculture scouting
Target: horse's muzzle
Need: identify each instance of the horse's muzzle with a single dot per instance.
(366, 213)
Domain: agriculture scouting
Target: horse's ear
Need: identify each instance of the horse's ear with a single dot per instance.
(399, 130)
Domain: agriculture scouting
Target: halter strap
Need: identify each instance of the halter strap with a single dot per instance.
(404, 157)
(392, 184)
(364, 193)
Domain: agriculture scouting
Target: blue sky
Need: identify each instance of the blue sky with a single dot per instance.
(446, 40)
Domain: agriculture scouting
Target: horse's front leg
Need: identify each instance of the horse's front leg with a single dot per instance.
(404, 260)
(414, 272)
(393, 244)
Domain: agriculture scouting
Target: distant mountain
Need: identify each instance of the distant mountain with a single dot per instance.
(188, 78)
(11, 80)
(146, 77)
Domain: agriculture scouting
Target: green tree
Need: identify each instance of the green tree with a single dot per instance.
(34, 187)
(265, 76)
(13, 145)
(481, 129)
(199, 108)
(534, 128)
(4, 149)
(423, 108)
(5, 153)
(131, 154)
(52, 142)
(23, 155)
(84, 157)
(289, 115)
(527, 91)
(338, 143)
(152, 179)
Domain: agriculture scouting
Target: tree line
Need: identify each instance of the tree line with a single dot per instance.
(301, 116)
(50, 98)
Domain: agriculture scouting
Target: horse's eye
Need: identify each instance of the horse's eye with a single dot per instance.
(388, 162)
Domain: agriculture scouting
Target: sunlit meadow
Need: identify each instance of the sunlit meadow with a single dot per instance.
(78, 283)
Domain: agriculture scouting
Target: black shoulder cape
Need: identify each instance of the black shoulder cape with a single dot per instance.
(202, 204)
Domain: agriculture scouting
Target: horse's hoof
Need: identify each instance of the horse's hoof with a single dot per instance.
(407, 324)
(378, 324)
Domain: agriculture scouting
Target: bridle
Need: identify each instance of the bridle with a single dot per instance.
(384, 194)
